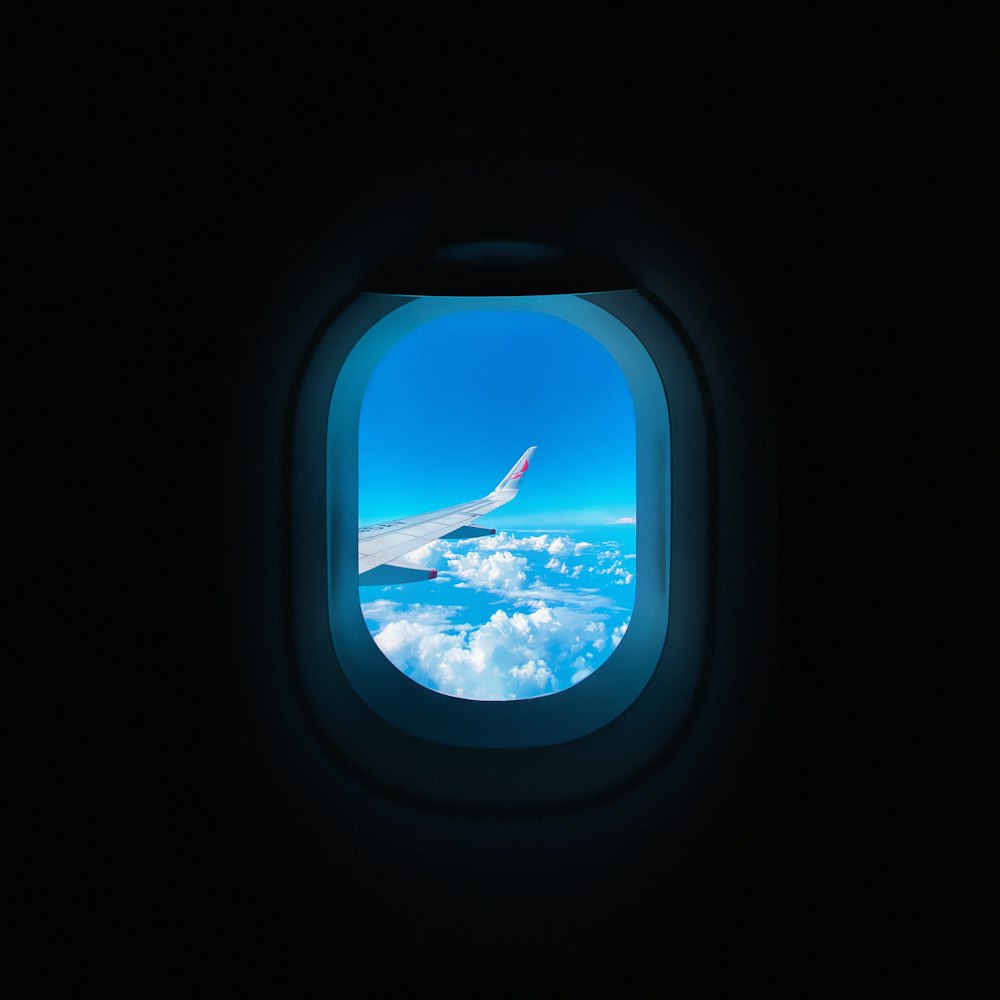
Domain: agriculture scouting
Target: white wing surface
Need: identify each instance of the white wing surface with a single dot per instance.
(380, 545)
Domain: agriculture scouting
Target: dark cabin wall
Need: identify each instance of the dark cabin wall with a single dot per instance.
(314, 866)
(807, 201)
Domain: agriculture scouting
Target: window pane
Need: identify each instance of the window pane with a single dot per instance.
(543, 602)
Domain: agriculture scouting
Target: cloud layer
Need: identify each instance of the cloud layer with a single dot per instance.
(508, 616)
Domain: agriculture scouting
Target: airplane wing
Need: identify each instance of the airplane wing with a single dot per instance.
(381, 545)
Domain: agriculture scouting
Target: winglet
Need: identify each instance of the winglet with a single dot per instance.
(512, 480)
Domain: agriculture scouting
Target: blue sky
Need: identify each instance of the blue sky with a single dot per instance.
(448, 410)
(451, 407)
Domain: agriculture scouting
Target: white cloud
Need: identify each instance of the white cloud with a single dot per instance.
(501, 571)
(623, 576)
(433, 615)
(624, 520)
(554, 545)
(535, 672)
(545, 637)
(514, 654)
(506, 575)
(380, 609)
(617, 632)
(585, 598)
(528, 543)
(598, 640)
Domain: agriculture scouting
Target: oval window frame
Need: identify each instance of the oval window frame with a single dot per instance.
(631, 709)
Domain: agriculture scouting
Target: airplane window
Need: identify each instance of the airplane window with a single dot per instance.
(575, 426)
(480, 578)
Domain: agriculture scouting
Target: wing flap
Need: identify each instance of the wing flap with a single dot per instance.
(392, 573)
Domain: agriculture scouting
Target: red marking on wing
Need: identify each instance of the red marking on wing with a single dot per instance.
(517, 475)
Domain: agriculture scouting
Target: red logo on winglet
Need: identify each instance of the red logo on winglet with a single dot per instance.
(517, 475)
